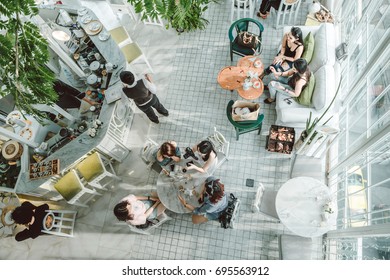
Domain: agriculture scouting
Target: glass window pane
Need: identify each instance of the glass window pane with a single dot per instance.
(357, 117)
(378, 26)
(379, 97)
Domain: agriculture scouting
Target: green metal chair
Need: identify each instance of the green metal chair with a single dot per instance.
(244, 126)
(244, 24)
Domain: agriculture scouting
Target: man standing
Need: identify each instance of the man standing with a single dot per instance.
(143, 93)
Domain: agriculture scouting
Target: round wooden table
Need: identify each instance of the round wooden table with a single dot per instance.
(233, 77)
(249, 61)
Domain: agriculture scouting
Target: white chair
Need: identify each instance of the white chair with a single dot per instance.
(98, 171)
(294, 247)
(242, 9)
(72, 189)
(264, 202)
(221, 146)
(120, 36)
(147, 154)
(63, 222)
(124, 9)
(162, 218)
(287, 13)
(133, 54)
(153, 21)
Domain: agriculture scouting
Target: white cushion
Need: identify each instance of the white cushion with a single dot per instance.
(324, 48)
(293, 247)
(325, 87)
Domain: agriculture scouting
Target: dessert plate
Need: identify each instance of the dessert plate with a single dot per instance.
(103, 36)
(82, 11)
(86, 19)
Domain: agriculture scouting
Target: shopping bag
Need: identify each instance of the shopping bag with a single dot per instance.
(245, 111)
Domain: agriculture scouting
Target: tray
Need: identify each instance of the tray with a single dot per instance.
(280, 139)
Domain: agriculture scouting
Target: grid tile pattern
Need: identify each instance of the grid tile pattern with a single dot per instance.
(186, 67)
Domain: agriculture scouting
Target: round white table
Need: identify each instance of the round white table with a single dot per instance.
(169, 187)
(299, 204)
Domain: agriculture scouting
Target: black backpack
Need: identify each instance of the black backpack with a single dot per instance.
(228, 216)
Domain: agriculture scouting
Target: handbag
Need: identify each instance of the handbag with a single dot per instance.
(254, 109)
(228, 216)
(248, 39)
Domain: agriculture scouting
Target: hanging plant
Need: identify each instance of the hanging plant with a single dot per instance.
(24, 53)
(183, 15)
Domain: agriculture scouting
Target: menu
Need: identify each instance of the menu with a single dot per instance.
(40, 170)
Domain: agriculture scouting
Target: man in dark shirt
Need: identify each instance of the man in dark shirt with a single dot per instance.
(143, 94)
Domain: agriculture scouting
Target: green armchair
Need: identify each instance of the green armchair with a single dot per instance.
(244, 24)
(244, 126)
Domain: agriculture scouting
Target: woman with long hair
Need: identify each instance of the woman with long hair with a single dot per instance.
(213, 201)
(291, 82)
(292, 49)
(167, 154)
(207, 158)
(135, 210)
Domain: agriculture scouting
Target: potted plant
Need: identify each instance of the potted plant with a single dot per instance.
(23, 73)
(311, 124)
(183, 15)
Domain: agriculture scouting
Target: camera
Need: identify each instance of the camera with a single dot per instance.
(190, 153)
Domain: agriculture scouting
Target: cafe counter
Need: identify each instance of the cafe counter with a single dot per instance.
(110, 140)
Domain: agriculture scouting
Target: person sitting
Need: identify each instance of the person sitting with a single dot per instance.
(168, 152)
(213, 201)
(32, 217)
(207, 158)
(136, 210)
(292, 49)
(265, 7)
(290, 82)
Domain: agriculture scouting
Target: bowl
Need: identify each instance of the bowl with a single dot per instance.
(256, 84)
(257, 63)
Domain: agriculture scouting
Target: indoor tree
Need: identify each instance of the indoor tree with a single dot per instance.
(24, 53)
(183, 15)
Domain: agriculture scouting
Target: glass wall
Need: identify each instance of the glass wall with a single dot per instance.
(360, 174)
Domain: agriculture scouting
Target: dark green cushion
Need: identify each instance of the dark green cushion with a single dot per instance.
(308, 44)
(305, 97)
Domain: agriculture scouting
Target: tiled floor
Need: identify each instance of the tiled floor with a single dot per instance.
(185, 67)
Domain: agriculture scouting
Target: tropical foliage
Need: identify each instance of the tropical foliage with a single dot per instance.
(183, 15)
(24, 53)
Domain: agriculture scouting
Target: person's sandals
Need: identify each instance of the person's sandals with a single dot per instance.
(263, 16)
(266, 101)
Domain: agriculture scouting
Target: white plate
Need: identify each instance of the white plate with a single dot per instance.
(256, 84)
(86, 19)
(257, 63)
(82, 11)
(8, 219)
(95, 26)
(104, 36)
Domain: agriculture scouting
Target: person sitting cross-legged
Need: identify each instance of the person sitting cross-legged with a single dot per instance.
(213, 201)
(291, 82)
